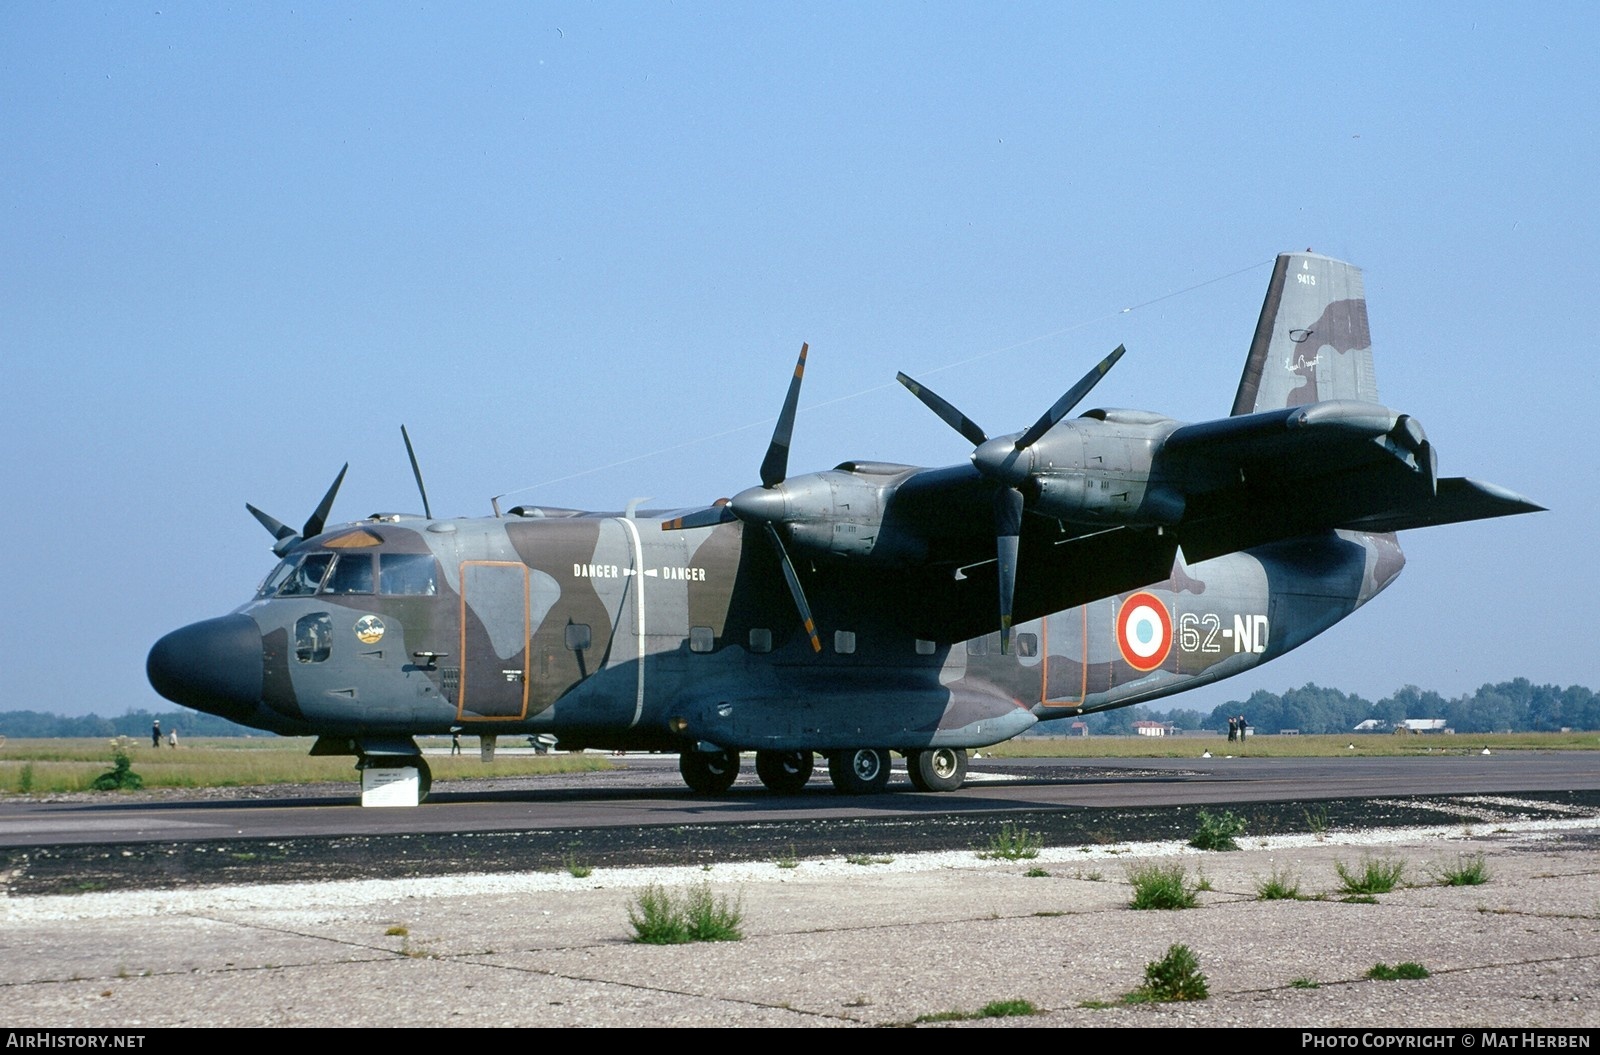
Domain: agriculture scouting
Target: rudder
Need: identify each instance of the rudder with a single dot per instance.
(1312, 342)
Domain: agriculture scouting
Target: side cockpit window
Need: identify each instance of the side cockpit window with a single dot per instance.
(408, 574)
(275, 579)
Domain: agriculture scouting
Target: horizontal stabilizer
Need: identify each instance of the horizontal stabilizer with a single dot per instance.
(1458, 499)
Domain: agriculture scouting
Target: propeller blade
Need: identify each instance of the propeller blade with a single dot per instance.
(1065, 404)
(775, 466)
(947, 413)
(1007, 528)
(416, 471)
(711, 516)
(279, 529)
(795, 589)
(319, 516)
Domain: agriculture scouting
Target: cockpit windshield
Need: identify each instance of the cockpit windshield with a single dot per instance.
(398, 574)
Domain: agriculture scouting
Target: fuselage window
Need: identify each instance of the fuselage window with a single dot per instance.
(408, 574)
(844, 642)
(760, 639)
(578, 636)
(978, 646)
(925, 647)
(1027, 644)
(307, 577)
(701, 639)
(313, 638)
(352, 573)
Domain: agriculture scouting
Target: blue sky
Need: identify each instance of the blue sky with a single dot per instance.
(575, 247)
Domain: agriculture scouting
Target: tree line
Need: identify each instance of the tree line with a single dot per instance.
(134, 724)
(1517, 706)
(1511, 706)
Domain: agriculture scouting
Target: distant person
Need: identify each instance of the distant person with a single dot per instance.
(455, 743)
(1233, 729)
(155, 734)
(1244, 727)
(172, 739)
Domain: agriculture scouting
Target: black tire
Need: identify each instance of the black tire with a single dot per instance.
(938, 768)
(911, 771)
(424, 780)
(709, 772)
(861, 771)
(784, 772)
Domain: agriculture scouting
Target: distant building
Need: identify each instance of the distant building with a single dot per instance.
(1154, 728)
(1078, 729)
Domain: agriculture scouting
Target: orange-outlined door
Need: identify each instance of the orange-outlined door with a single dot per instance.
(494, 640)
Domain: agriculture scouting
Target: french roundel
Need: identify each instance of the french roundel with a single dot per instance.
(1144, 631)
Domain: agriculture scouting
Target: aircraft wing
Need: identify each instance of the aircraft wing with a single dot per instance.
(1458, 499)
(1257, 478)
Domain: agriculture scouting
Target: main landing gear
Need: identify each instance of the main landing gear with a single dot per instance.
(937, 769)
(784, 772)
(858, 771)
(403, 766)
(709, 772)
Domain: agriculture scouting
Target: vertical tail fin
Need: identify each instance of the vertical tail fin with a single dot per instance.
(1312, 341)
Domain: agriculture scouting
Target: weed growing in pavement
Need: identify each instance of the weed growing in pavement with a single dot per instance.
(1469, 870)
(993, 1009)
(1176, 976)
(660, 917)
(1279, 886)
(1399, 972)
(1218, 832)
(1013, 842)
(1375, 875)
(1160, 887)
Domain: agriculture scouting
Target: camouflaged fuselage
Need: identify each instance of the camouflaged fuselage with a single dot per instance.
(607, 632)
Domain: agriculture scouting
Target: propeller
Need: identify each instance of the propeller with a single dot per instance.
(287, 536)
(1008, 462)
(416, 471)
(766, 504)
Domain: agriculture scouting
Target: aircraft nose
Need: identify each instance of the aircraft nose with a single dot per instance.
(213, 666)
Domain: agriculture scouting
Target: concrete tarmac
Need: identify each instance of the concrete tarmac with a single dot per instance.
(835, 943)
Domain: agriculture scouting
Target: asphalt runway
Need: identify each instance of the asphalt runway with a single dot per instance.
(646, 791)
(912, 931)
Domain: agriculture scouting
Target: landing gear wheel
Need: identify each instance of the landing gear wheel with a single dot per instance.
(417, 762)
(937, 769)
(424, 781)
(862, 771)
(709, 772)
(784, 772)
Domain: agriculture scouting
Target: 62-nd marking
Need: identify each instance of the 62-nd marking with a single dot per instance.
(1198, 632)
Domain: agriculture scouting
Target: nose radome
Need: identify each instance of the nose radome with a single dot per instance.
(213, 666)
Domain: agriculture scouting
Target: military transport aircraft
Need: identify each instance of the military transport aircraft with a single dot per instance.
(1076, 566)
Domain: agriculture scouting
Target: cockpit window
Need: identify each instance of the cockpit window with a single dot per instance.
(307, 577)
(269, 586)
(352, 573)
(411, 574)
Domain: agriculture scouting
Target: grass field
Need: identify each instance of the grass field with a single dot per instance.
(52, 766)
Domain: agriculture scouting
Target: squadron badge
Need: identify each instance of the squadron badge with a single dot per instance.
(369, 629)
